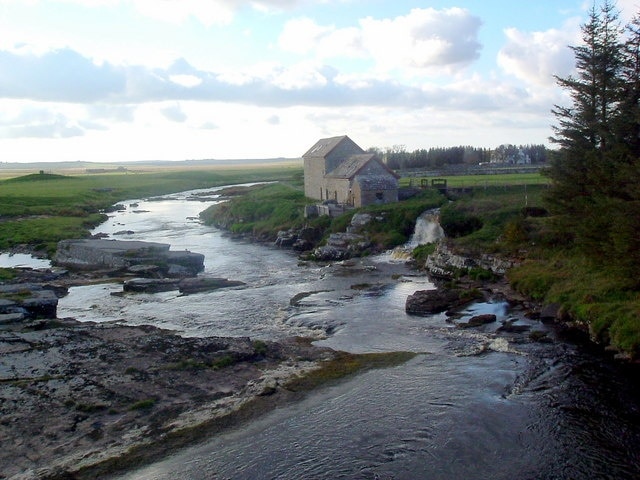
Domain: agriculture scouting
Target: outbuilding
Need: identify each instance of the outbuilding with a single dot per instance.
(337, 170)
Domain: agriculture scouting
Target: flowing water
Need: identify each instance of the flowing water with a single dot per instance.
(474, 404)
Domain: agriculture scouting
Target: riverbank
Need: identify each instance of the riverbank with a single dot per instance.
(86, 399)
(76, 395)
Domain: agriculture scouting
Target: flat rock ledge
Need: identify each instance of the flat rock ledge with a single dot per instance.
(154, 259)
(73, 395)
(185, 286)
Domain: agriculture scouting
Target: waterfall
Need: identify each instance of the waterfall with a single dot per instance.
(427, 230)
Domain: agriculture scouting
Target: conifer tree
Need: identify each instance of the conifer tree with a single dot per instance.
(582, 171)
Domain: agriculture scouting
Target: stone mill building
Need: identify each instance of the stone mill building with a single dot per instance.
(337, 170)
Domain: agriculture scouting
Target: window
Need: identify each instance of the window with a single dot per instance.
(379, 195)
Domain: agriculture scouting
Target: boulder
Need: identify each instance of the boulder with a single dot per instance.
(149, 285)
(445, 263)
(286, 238)
(30, 300)
(478, 320)
(429, 302)
(509, 326)
(205, 284)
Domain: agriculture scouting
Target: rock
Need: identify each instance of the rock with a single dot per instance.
(359, 220)
(301, 245)
(149, 285)
(509, 326)
(79, 391)
(328, 253)
(286, 238)
(550, 313)
(444, 263)
(478, 320)
(205, 284)
(429, 302)
(9, 318)
(341, 246)
(29, 300)
(144, 270)
(124, 232)
(96, 254)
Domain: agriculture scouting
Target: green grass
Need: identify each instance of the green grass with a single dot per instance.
(345, 364)
(493, 219)
(41, 209)
(261, 212)
(267, 209)
(604, 300)
(481, 181)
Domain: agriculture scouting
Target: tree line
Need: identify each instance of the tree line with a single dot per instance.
(398, 158)
(595, 173)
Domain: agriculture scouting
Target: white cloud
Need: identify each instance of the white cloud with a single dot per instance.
(628, 9)
(535, 57)
(301, 76)
(210, 12)
(186, 80)
(424, 40)
(174, 113)
(207, 12)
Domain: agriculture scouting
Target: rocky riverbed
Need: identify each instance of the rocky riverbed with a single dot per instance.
(74, 395)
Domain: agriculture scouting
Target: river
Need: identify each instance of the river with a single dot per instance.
(474, 404)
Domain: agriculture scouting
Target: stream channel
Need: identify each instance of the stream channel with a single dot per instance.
(474, 404)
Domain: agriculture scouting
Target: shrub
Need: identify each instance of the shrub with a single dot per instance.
(457, 223)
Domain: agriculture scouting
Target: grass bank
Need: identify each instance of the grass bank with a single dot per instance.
(511, 220)
(40, 209)
(266, 209)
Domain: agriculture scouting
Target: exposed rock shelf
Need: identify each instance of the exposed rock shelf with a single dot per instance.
(155, 258)
(75, 394)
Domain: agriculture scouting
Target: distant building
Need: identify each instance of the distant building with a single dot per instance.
(337, 170)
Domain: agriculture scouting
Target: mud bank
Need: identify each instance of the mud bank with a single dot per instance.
(80, 399)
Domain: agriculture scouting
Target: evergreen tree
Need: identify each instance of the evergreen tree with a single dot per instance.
(595, 172)
(584, 133)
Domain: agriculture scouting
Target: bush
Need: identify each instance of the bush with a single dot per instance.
(421, 252)
(457, 223)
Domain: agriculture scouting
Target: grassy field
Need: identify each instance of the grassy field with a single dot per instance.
(41, 209)
(476, 181)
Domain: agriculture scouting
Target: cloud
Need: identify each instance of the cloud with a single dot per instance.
(207, 12)
(58, 127)
(66, 76)
(426, 39)
(535, 57)
(59, 75)
(174, 113)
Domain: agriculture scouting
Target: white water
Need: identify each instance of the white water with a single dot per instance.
(427, 230)
(473, 404)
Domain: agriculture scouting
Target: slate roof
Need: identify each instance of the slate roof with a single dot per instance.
(324, 146)
(377, 182)
(350, 166)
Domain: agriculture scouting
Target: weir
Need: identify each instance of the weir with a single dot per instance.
(427, 230)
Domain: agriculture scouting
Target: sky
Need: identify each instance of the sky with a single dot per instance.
(128, 80)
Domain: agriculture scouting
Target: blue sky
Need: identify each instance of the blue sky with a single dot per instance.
(122, 80)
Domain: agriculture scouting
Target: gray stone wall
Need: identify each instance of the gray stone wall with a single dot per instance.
(314, 171)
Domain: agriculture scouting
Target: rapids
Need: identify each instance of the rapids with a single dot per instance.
(475, 403)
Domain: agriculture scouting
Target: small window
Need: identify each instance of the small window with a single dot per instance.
(380, 195)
